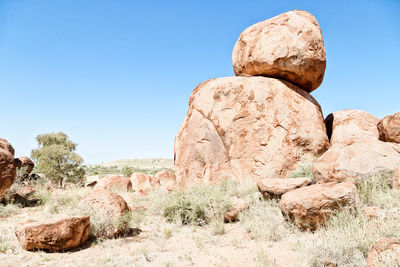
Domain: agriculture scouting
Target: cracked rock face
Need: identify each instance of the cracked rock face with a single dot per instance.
(389, 128)
(289, 47)
(7, 166)
(247, 127)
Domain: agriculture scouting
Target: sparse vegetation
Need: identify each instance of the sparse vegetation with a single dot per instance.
(302, 171)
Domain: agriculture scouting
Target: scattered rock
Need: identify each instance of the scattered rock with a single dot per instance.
(54, 235)
(384, 252)
(92, 184)
(238, 205)
(105, 203)
(7, 166)
(26, 191)
(350, 124)
(372, 212)
(115, 183)
(288, 47)
(25, 162)
(311, 206)
(143, 183)
(241, 127)
(24, 200)
(166, 179)
(355, 159)
(389, 128)
(276, 187)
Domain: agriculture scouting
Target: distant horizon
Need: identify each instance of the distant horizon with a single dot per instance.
(116, 77)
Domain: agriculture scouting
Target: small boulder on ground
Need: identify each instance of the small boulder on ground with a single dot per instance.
(372, 212)
(238, 205)
(119, 183)
(7, 165)
(384, 252)
(311, 206)
(54, 235)
(288, 47)
(143, 183)
(105, 203)
(166, 179)
(351, 123)
(389, 128)
(276, 187)
(356, 159)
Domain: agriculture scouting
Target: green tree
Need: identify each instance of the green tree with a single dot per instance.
(127, 172)
(56, 159)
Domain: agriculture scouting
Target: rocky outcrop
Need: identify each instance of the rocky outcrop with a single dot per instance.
(350, 124)
(384, 252)
(105, 203)
(118, 183)
(239, 127)
(26, 163)
(276, 187)
(354, 159)
(389, 128)
(55, 235)
(166, 179)
(311, 206)
(7, 165)
(143, 183)
(288, 47)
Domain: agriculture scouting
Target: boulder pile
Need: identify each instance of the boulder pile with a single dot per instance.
(263, 123)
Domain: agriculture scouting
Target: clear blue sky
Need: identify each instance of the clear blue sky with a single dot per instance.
(116, 75)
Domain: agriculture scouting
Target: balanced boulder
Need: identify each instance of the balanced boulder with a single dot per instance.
(54, 235)
(311, 206)
(25, 163)
(288, 47)
(384, 252)
(276, 187)
(115, 183)
(7, 165)
(355, 159)
(239, 127)
(389, 128)
(350, 124)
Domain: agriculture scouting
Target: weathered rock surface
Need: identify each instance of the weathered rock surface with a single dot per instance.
(389, 128)
(350, 124)
(384, 252)
(115, 183)
(311, 206)
(356, 158)
(289, 47)
(276, 187)
(240, 127)
(166, 179)
(25, 162)
(238, 205)
(105, 203)
(372, 212)
(59, 235)
(7, 166)
(143, 183)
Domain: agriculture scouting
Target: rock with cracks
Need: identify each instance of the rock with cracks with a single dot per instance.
(276, 187)
(54, 235)
(389, 128)
(7, 165)
(288, 47)
(240, 127)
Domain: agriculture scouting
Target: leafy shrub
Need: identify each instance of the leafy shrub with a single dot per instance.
(127, 171)
(302, 171)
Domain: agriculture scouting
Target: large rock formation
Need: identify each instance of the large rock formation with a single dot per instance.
(54, 235)
(276, 187)
(384, 252)
(25, 162)
(289, 47)
(356, 158)
(351, 123)
(389, 128)
(239, 127)
(311, 206)
(7, 165)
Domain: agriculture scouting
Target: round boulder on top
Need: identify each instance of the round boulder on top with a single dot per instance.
(7, 165)
(389, 128)
(288, 47)
(247, 127)
(25, 162)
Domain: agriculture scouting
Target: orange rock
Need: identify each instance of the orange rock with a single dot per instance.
(384, 252)
(7, 165)
(276, 187)
(142, 182)
(54, 235)
(288, 47)
(355, 159)
(166, 178)
(389, 128)
(105, 203)
(247, 127)
(350, 124)
(25, 162)
(372, 212)
(311, 206)
(115, 183)
(238, 205)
